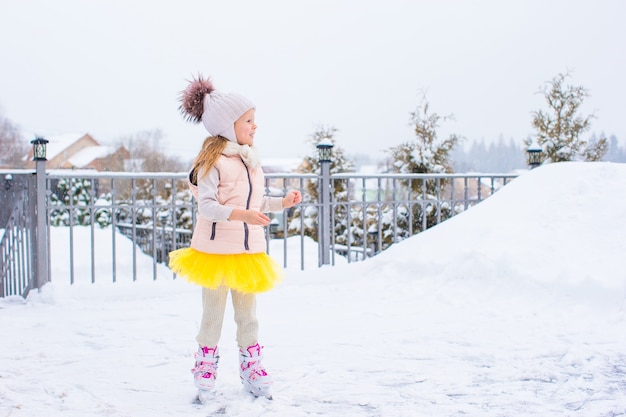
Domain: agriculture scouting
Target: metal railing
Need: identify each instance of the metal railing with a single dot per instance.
(155, 213)
(387, 208)
(17, 214)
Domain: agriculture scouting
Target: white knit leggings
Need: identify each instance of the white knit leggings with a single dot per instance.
(213, 306)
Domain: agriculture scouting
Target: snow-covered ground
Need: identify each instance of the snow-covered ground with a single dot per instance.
(513, 308)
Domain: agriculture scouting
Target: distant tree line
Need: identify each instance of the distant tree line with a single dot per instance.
(504, 156)
(500, 156)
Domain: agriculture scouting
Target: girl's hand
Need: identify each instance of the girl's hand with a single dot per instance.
(250, 217)
(292, 198)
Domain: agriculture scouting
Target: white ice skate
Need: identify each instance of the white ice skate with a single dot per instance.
(253, 376)
(205, 371)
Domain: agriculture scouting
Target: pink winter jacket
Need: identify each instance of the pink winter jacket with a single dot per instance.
(239, 187)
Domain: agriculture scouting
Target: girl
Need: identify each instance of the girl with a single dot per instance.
(227, 252)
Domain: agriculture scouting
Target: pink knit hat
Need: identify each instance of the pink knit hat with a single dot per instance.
(218, 111)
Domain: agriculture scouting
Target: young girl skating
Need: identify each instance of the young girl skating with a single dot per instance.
(227, 252)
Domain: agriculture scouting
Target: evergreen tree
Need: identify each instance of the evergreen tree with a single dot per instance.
(427, 153)
(559, 129)
(73, 193)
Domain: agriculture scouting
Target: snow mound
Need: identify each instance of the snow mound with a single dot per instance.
(546, 228)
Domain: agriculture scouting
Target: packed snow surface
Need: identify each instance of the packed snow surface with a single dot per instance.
(515, 307)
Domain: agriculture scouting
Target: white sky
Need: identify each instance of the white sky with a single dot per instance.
(113, 68)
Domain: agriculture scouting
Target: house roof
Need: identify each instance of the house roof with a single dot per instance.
(87, 155)
(58, 143)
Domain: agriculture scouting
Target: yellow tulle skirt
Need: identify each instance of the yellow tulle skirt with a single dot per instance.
(247, 273)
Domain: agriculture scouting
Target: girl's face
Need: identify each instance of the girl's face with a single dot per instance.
(245, 128)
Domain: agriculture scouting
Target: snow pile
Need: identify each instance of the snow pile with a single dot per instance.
(513, 308)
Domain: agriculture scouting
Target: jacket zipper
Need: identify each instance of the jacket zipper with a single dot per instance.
(245, 225)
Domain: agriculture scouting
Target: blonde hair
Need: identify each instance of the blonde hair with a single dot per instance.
(212, 149)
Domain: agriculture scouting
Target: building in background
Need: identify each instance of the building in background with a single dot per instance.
(81, 151)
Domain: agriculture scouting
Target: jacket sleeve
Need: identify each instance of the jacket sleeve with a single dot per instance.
(208, 205)
(271, 204)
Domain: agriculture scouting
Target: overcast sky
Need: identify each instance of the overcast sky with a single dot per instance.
(113, 68)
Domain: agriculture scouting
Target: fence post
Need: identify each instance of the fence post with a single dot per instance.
(324, 148)
(41, 230)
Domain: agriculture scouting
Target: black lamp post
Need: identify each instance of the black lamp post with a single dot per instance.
(535, 155)
(325, 150)
(39, 149)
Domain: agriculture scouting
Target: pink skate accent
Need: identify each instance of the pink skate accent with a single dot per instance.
(206, 351)
(254, 350)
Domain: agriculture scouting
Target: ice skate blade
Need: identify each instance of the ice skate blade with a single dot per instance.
(203, 397)
(256, 392)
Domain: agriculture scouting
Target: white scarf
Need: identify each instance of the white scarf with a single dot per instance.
(248, 154)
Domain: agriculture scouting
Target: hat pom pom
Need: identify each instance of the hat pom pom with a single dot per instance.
(192, 98)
